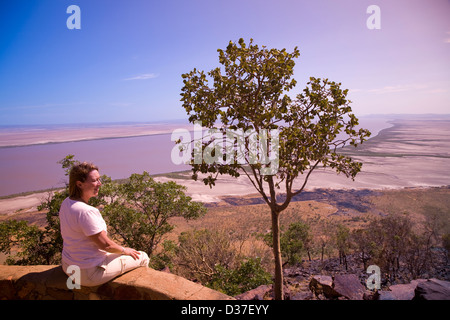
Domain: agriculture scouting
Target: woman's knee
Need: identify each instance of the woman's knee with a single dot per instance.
(143, 257)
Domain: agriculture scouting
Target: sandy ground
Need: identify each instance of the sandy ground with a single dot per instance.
(22, 204)
(409, 154)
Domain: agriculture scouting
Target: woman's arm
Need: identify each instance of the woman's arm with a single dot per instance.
(106, 244)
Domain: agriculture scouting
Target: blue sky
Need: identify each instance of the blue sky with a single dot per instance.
(126, 61)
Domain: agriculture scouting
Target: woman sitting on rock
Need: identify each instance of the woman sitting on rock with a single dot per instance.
(86, 243)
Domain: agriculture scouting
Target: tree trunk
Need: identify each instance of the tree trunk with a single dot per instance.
(322, 252)
(278, 286)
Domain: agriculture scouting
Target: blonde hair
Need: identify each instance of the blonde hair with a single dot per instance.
(79, 172)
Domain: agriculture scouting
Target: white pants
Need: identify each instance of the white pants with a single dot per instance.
(114, 265)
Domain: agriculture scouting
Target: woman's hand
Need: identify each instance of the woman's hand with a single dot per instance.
(131, 252)
(105, 243)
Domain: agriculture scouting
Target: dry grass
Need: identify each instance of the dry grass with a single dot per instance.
(421, 204)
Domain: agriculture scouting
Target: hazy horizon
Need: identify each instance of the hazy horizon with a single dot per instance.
(392, 116)
(125, 62)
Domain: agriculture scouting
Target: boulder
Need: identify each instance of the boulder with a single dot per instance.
(400, 291)
(323, 285)
(386, 295)
(371, 295)
(302, 295)
(263, 292)
(343, 286)
(349, 286)
(255, 294)
(432, 289)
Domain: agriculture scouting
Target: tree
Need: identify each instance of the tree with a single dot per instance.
(141, 208)
(293, 242)
(391, 235)
(342, 239)
(249, 95)
(397, 245)
(31, 244)
(363, 246)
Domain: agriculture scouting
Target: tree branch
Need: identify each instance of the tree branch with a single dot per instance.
(258, 187)
(306, 179)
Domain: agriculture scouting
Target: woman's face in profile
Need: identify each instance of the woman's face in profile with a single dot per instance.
(91, 185)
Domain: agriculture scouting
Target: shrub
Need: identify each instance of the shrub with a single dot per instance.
(199, 251)
(294, 242)
(249, 275)
(392, 243)
(210, 257)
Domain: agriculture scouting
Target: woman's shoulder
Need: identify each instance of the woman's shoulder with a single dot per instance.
(77, 205)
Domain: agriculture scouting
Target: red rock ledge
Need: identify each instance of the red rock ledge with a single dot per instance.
(49, 282)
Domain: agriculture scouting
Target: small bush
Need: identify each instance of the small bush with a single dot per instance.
(295, 242)
(210, 257)
(249, 275)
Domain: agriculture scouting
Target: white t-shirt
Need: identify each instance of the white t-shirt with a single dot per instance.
(78, 221)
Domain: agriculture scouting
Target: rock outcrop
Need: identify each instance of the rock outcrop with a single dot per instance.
(50, 282)
(260, 293)
(399, 291)
(349, 286)
(322, 285)
(341, 286)
(432, 289)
